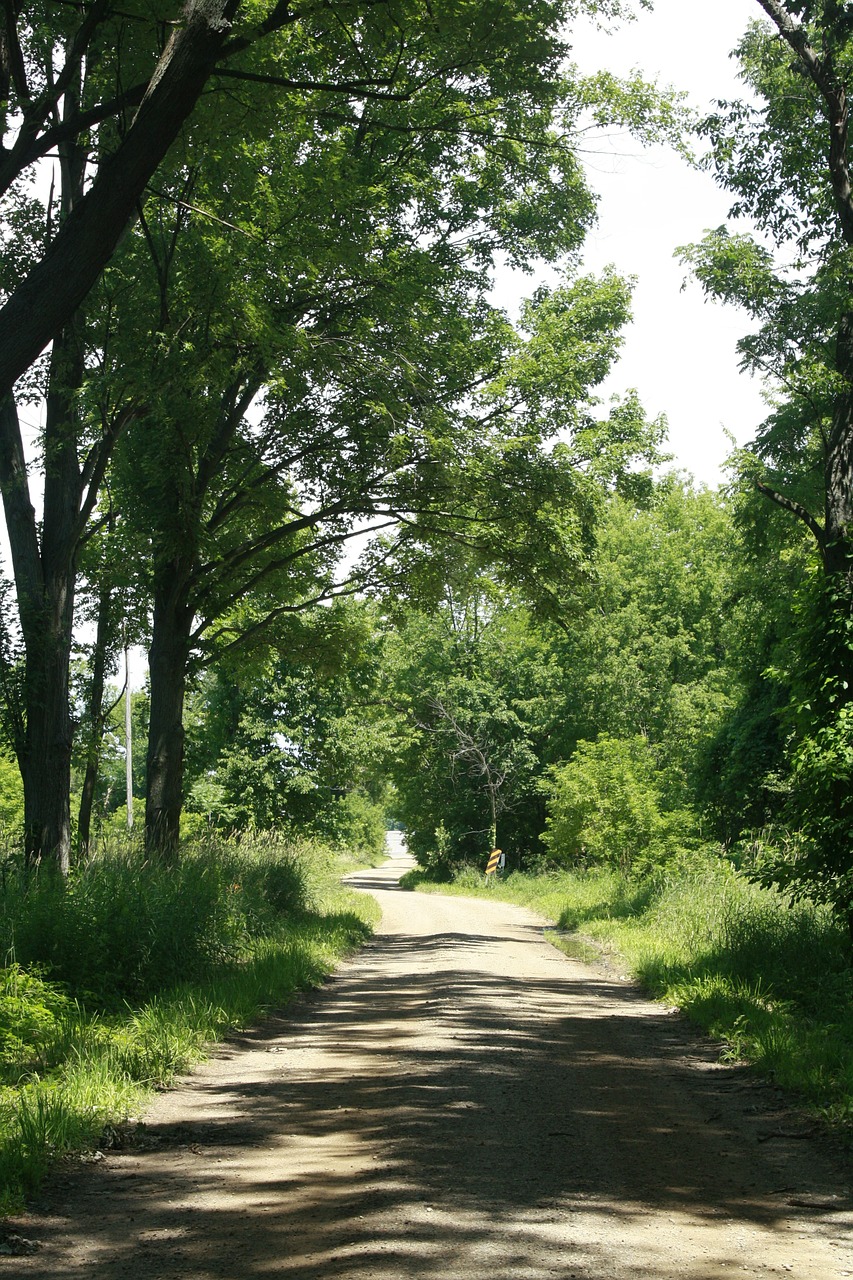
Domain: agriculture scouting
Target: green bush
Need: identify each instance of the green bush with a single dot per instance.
(11, 796)
(819, 866)
(33, 1015)
(357, 824)
(605, 806)
(436, 856)
(274, 881)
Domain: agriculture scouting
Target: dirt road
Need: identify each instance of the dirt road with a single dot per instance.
(461, 1102)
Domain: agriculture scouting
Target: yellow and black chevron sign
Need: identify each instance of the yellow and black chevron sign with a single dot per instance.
(494, 859)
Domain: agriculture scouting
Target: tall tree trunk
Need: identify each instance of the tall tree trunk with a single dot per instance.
(48, 633)
(45, 566)
(46, 768)
(95, 730)
(45, 573)
(167, 664)
(45, 581)
(175, 597)
(838, 471)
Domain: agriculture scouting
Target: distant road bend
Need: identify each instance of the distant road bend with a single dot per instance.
(461, 1102)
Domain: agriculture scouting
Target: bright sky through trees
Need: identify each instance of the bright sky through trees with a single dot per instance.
(680, 350)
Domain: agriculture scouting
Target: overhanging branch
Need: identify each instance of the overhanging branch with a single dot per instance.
(796, 508)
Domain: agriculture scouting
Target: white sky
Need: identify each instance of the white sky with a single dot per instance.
(680, 350)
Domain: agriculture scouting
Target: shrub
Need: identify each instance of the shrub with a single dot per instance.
(11, 796)
(33, 1013)
(605, 806)
(357, 823)
(820, 866)
(66, 1071)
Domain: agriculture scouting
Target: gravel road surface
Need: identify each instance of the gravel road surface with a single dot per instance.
(460, 1102)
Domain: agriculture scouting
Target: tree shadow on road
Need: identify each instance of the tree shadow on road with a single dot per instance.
(463, 1123)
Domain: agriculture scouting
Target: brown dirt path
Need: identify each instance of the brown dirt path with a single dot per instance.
(461, 1102)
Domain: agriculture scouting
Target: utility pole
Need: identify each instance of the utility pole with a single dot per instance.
(128, 739)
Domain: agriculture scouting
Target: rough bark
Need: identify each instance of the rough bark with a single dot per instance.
(47, 631)
(46, 768)
(175, 600)
(45, 579)
(838, 469)
(44, 564)
(59, 282)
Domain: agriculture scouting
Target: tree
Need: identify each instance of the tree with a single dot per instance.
(50, 96)
(476, 687)
(371, 372)
(54, 70)
(295, 739)
(110, 602)
(787, 161)
(645, 634)
(104, 89)
(605, 806)
(478, 681)
(767, 156)
(613, 701)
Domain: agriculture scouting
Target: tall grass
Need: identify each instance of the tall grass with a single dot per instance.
(771, 978)
(119, 979)
(123, 926)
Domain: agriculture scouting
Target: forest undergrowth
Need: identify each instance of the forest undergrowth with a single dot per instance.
(772, 979)
(121, 978)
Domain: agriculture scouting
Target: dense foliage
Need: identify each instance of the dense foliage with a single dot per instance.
(268, 294)
(389, 554)
(784, 156)
(606, 718)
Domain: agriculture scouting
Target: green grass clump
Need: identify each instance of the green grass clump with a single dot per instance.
(122, 978)
(771, 978)
(124, 926)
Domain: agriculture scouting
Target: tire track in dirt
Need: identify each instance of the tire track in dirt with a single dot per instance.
(461, 1100)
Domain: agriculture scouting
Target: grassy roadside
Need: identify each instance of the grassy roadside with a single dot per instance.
(771, 979)
(121, 979)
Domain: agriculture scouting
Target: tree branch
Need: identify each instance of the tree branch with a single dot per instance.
(329, 593)
(354, 88)
(796, 508)
(58, 283)
(95, 467)
(20, 514)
